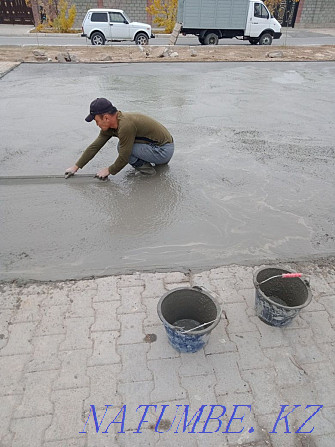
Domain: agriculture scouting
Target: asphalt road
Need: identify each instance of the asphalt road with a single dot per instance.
(294, 37)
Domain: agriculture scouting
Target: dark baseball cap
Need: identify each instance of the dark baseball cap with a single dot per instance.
(98, 107)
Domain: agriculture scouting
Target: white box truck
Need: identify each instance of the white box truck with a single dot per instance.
(212, 20)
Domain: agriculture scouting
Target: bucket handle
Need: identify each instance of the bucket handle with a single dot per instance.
(283, 275)
(197, 327)
(202, 289)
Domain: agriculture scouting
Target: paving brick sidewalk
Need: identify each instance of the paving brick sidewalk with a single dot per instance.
(69, 345)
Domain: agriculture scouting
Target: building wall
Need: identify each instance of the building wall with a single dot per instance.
(316, 14)
(135, 9)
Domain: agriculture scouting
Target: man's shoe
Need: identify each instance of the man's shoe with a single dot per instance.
(146, 169)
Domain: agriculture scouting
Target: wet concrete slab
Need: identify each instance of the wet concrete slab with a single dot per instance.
(252, 178)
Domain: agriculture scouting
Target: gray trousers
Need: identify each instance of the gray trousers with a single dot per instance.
(150, 153)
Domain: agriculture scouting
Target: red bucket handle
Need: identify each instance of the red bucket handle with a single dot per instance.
(283, 275)
(291, 275)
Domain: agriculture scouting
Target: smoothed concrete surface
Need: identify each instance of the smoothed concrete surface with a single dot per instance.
(252, 177)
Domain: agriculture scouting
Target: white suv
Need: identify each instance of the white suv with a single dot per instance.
(101, 25)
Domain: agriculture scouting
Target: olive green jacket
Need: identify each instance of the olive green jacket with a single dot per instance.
(132, 128)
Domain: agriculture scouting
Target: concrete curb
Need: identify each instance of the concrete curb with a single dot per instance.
(6, 67)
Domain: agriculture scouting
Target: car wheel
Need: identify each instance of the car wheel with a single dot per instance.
(141, 39)
(265, 39)
(253, 41)
(98, 39)
(211, 39)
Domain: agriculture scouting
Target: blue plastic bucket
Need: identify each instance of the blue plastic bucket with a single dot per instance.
(278, 300)
(189, 315)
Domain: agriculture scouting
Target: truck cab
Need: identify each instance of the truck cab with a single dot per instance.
(261, 26)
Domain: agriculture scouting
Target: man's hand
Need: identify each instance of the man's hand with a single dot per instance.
(71, 171)
(103, 174)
